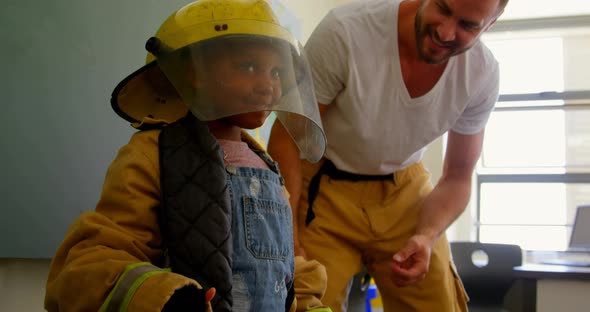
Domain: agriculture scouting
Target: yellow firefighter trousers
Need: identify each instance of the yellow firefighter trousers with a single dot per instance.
(368, 221)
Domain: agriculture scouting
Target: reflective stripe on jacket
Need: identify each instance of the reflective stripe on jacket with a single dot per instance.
(131, 279)
(123, 231)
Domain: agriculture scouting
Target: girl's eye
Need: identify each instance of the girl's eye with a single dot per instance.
(248, 67)
(277, 73)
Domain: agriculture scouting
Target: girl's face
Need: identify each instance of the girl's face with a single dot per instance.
(246, 78)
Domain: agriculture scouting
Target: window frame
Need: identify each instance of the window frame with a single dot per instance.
(489, 176)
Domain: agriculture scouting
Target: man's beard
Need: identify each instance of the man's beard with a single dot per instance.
(421, 32)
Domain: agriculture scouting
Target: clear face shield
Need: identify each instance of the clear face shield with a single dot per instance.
(238, 74)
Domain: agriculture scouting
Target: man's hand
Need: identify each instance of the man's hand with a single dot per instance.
(411, 263)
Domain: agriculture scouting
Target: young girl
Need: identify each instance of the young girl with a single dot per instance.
(193, 214)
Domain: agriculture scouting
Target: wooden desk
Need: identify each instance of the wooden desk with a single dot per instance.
(554, 288)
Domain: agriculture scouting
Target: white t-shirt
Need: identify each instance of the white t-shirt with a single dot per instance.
(374, 126)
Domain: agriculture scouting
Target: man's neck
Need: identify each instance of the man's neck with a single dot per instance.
(419, 76)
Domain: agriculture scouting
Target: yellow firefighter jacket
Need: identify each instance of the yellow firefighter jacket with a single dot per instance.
(111, 258)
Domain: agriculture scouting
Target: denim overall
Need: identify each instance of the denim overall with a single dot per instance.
(262, 231)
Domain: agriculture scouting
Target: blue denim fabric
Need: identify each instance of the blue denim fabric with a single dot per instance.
(263, 260)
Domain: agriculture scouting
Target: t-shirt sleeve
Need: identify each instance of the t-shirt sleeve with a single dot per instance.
(475, 117)
(326, 52)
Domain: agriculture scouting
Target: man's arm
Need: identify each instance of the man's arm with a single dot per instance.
(451, 195)
(283, 150)
(441, 208)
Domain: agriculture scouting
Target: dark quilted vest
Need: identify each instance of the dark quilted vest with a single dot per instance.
(195, 214)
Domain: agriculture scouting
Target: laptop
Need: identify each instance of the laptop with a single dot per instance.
(579, 239)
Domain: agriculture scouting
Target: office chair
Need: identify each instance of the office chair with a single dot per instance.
(486, 283)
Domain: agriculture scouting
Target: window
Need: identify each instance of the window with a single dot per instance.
(535, 164)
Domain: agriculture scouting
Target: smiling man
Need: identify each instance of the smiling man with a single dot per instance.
(391, 76)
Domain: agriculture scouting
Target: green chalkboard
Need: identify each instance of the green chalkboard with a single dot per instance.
(60, 61)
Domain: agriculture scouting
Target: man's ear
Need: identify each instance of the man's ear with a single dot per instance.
(494, 20)
(490, 24)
